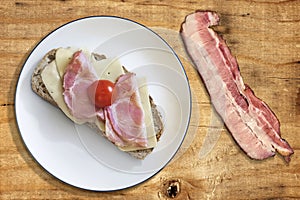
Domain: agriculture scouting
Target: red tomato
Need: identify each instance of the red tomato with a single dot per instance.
(100, 93)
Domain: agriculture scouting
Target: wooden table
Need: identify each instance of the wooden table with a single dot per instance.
(263, 35)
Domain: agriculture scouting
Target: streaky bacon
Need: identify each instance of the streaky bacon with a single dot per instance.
(251, 122)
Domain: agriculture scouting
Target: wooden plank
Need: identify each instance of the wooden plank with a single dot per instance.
(263, 35)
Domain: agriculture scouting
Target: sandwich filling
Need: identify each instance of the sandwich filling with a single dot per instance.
(127, 122)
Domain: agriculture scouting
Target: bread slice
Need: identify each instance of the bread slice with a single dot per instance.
(40, 89)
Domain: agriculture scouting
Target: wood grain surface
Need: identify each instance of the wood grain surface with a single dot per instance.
(263, 35)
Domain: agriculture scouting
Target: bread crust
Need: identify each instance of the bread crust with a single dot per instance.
(40, 89)
(37, 83)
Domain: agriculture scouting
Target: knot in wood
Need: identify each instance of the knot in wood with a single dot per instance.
(173, 188)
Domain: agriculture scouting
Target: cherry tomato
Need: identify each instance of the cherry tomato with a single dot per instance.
(100, 93)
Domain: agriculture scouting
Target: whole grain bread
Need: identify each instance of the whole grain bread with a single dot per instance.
(40, 89)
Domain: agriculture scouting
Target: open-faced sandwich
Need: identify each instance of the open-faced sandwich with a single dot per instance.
(98, 91)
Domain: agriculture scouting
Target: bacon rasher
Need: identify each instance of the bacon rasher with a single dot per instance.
(251, 122)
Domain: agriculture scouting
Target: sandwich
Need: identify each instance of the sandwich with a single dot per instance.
(93, 90)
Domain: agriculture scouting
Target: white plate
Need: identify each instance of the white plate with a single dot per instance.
(77, 155)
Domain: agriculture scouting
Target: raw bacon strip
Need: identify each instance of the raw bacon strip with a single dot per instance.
(251, 122)
(126, 114)
(79, 75)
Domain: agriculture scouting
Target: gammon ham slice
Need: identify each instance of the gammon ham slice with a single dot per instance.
(79, 75)
(251, 122)
(126, 115)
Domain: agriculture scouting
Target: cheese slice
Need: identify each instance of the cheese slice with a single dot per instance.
(53, 83)
(109, 69)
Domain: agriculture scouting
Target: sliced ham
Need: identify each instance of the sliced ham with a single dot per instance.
(251, 122)
(79, 75)
(124, 118)
(126, 114)
(111, 134)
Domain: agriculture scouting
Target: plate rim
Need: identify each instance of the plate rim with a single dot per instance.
(140, 181)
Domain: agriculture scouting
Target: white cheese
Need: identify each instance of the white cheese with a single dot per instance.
(108, 69)
(53, 83)
(62, 58)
